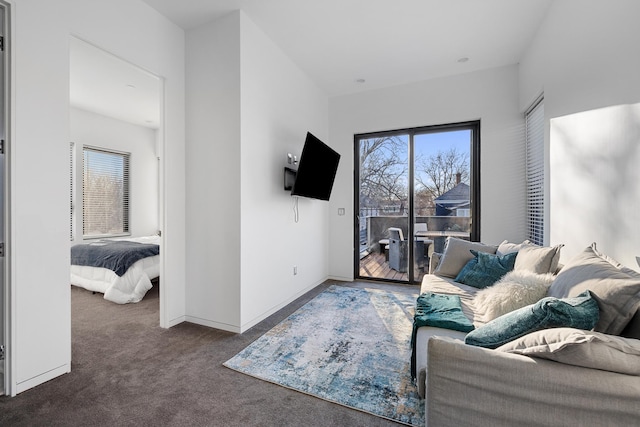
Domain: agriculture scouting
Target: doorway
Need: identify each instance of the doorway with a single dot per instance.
(115, 107)
(414, 189)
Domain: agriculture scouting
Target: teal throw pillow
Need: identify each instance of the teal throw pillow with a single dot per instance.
(485, 269)
(580, 312)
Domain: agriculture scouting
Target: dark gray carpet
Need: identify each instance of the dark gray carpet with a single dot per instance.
(127, 371)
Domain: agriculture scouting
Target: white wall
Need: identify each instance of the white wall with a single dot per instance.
(248, 105)
(95, 130)
(213, 174)
(279, 105)
(585, 59)
(39, 162)
(491, 96)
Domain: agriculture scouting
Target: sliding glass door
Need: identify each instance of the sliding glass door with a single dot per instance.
(415, 188)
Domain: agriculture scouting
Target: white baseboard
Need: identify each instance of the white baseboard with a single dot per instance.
(212, 324)
(42, 378)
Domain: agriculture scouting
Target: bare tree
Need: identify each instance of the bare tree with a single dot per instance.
(382, 171)
(437, 174)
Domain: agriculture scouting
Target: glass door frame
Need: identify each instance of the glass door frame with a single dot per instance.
(474, 165)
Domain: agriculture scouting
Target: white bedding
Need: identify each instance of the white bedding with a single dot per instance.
(130, 287)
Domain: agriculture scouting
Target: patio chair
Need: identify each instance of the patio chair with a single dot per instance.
(397, 250)
(426, 242)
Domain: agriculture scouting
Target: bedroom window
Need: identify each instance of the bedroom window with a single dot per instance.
(534, 137)
(105, 192)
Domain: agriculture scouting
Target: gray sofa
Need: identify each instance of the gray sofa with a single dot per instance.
(580, 383)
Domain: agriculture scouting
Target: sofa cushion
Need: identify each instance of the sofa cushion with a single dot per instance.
(507, 247)
(614, 286)
(538, 259)
(484, 269)
(580, 312)
(514, 290)
(457, 253)
(580, 348)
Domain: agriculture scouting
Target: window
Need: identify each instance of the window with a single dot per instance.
(105, 193)
(534, 140)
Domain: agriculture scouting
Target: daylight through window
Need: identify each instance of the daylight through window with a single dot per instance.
(105, 192)
(534, 128)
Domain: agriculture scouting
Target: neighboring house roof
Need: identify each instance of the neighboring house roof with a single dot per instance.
(457, 195)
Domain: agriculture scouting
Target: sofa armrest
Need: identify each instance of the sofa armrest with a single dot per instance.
(474, 386)
(434, 260)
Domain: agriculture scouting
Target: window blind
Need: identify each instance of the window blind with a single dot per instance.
(71, 186)
(105, 192)
(534, 137)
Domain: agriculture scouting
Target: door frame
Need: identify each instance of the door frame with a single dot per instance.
(474, 165)
(7, 338)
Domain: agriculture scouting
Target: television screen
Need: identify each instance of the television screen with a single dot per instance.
(316, 170)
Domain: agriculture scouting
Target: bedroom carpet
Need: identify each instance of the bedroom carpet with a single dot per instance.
(349, 346)
(127, 371)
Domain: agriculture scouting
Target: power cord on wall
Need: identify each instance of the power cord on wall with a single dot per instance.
(296, 214)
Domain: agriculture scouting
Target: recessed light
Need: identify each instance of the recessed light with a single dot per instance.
(360, 80)
(463, 59)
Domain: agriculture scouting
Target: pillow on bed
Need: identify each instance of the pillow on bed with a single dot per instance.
(514, 290)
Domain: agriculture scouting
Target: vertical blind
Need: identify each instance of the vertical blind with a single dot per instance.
(534, 137)
(71, 187)
(105, 192)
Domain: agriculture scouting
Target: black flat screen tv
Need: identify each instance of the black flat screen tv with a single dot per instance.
(316, 170)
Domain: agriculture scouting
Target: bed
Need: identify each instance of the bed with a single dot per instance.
(121, 269)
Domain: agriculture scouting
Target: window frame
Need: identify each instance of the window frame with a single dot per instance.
(475, 182)
(126, 192)
(535, 172)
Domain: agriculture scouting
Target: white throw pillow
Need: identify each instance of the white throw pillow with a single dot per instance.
(580, 348)
(514, 290)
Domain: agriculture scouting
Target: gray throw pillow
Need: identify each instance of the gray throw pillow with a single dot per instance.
(614, 286)
(457, 253)
(538, 259)
(576, 347)
(580, 312)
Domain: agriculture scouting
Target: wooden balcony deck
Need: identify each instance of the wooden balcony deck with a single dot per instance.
(375, 266)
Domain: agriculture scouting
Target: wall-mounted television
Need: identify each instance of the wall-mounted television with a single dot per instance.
(316, 170)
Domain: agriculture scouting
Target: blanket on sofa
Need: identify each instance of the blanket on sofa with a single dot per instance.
(438, 310)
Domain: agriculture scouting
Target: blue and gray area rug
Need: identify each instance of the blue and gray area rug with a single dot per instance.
(349, 346)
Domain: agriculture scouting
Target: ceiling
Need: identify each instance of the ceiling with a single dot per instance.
(383, 42)
(345, 46)
(105, 84)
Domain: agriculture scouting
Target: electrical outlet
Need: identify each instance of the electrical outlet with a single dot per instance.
(295, 270)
